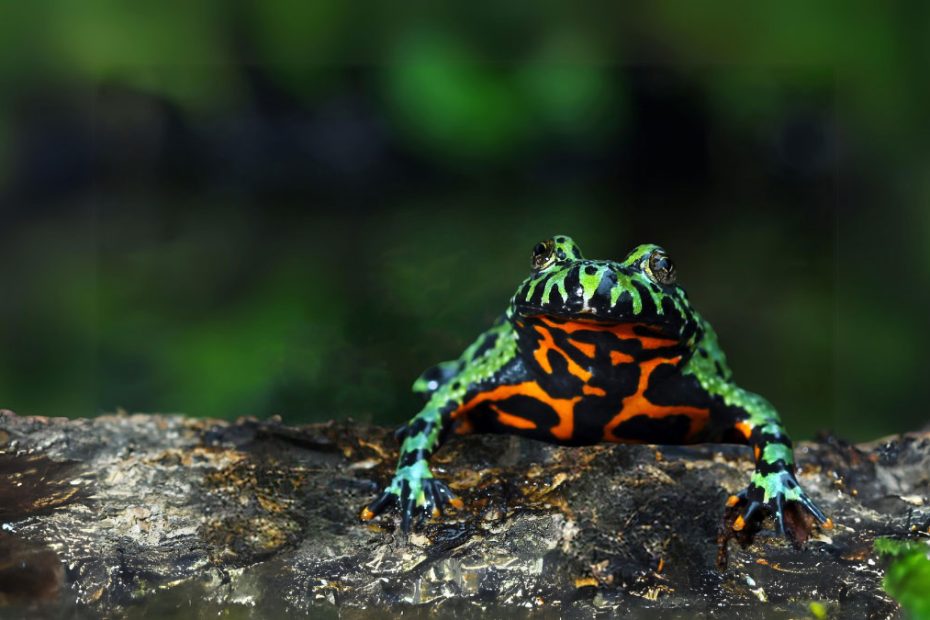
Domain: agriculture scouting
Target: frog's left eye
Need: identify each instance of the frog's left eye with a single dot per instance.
(543, 254)
(661, 268)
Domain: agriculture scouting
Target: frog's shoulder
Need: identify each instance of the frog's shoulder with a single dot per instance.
(708, 359)
(435, 377)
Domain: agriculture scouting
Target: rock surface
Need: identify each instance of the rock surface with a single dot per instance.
(177, 517)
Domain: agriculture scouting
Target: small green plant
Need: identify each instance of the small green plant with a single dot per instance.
(907, 578)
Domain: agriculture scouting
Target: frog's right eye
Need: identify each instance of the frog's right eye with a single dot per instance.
(661, 268)
(543, 254)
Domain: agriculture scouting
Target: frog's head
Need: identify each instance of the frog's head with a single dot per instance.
(639, 289)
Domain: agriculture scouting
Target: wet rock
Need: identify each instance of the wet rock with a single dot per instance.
(29, 572)
(165, 514)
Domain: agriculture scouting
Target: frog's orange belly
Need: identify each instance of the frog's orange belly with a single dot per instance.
(588, 382)
(527, 409)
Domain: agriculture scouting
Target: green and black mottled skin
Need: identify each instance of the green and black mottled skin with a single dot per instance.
(592, 351)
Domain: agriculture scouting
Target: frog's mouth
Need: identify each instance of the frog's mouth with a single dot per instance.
(659, 314)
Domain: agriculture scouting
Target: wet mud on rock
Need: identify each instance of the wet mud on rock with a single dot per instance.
(175, 517)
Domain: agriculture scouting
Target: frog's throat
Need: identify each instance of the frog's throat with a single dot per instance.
(645, 326)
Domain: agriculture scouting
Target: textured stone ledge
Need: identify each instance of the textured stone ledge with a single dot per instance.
(162, 513)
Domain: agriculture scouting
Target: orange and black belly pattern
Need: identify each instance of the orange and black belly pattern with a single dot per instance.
(584, 382)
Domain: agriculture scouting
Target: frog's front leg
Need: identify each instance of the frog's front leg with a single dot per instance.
(414, 489)
(773, 488)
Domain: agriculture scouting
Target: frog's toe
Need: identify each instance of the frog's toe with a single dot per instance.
(438, 496)
(397, 495)
(381, 503)
(408, 510)
(749, 512)
(427, 501)
(779, 512)
(812, 508)
(779, 495)
(744, 512)
(417, 500)
(797, 514)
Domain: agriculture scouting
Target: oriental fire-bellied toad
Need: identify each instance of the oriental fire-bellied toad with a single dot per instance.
(596, 351)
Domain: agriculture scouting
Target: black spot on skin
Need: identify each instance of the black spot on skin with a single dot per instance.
(440, 374)
(593, 413)
(410, 458)
(703, 353)
(487, 343)
(590, 270)
(572, 282)
(731, 435)
(560, 239)
(561, 254)
(668, 429)
(560, 383)
(416, 427)
(668, 307)
(575, 250)
(776, 437)
(456, 385)
(719, 368)
(536, 298)
(669, 388)
(649, 306)
(649, 331)
(601, 300)
(765, 467)
(485, 420)
(690, 333)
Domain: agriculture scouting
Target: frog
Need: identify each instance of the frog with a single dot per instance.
(592, 351)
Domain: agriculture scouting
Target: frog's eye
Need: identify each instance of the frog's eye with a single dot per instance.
(543, 254)
(661, 268)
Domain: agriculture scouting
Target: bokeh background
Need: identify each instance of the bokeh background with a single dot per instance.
(231, 208)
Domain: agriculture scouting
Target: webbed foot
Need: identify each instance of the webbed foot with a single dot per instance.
(418, 495)
(779, 494)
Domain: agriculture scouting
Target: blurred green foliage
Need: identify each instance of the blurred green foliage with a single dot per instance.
(294, 208)
(908, 576)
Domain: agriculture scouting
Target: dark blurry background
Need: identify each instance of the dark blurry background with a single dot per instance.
(227, 208)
